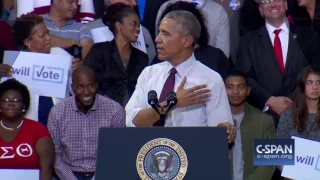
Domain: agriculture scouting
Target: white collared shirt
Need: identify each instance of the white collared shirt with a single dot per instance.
(214, 111)
(284, 38)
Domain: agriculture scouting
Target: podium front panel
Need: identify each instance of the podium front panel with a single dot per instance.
(206, 150)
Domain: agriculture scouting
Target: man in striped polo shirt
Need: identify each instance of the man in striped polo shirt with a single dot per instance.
(66, 32)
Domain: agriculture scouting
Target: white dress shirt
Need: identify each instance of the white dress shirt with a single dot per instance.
(211, 113)
(284, 38)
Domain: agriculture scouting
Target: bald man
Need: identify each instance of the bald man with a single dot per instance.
(74, 124)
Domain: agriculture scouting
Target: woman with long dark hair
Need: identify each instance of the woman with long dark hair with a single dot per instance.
(303, 119)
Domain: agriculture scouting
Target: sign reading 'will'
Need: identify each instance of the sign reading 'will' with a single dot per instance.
(43, 74)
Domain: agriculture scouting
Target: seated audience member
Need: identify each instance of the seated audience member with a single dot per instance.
(302, 119)
(144, 40)
(64, 31)
(85, 12)
(74, 125)
(24, 144)
(200, 91)
(217, 23)
(250, 123)
(210, 56)
(31, 34)
(273, 56)
(117, 64)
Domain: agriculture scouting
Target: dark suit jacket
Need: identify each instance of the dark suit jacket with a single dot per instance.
(255, 124)
(210, 56)
(113, 79)
(256, 58)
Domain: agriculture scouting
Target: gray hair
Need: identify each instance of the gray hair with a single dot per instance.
(187, 23)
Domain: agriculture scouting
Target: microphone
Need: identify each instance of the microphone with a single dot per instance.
(171, 100)
(153, 100)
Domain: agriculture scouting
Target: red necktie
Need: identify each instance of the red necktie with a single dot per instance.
(167, 87)
(278, 50)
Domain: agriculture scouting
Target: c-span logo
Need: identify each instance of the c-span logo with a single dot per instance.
(162, 159)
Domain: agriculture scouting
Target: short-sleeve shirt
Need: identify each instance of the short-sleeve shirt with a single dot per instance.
(21, 152)
(71, 29)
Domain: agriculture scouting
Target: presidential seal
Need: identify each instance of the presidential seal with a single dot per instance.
(162, 159)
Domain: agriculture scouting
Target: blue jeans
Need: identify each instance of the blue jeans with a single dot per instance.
(81, 176)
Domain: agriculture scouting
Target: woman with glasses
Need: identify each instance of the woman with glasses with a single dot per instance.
(31, 34)
(118, 64)
(24, 143)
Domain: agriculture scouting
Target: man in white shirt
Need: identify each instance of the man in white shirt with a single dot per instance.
(273, 56)
(201, 94)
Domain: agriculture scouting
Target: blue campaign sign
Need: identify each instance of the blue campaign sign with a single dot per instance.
(273, 152)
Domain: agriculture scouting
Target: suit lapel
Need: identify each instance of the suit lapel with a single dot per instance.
(134, 59)
(116, 56)
(268, 48)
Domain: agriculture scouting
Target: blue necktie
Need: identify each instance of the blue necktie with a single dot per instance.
(141, 6)
(45, 105)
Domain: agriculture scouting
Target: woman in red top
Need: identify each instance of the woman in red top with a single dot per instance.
(24, 144)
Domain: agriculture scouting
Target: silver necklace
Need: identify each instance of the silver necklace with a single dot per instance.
(11, 128)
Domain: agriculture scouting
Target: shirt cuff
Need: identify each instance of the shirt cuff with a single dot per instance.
(130, 116)
(266, 108)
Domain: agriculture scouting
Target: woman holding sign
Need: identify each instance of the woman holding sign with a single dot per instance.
(118, 64)
(24, 144)
(31, 34)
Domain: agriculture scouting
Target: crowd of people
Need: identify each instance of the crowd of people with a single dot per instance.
(253, 69)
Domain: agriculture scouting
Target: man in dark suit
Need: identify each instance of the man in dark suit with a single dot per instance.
(273, 56)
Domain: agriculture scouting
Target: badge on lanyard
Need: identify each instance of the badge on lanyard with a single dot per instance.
(234, 4)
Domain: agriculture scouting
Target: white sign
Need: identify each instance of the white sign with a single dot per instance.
(43, 74)
(307, 161)
(19, 174)
(103, 34)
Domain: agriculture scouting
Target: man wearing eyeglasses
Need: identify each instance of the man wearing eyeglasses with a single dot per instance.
(273, 56)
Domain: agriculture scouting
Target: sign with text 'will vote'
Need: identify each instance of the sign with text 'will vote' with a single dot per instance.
(43, 74)
(307, 160)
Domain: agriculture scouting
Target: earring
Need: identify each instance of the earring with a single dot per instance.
(119, 29)
(29, 46)
(23, 110)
